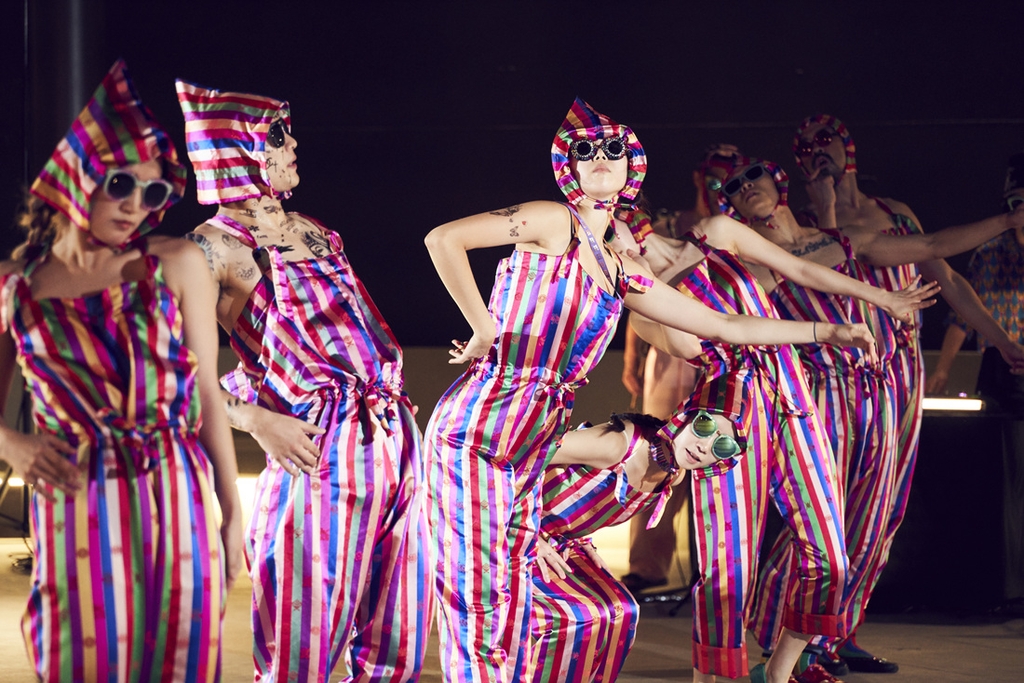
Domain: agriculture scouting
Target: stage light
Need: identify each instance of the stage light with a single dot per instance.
(957, 404)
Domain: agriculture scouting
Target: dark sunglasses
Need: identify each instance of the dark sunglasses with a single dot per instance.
(736, 184)
(823, 138)
(585, 150)
(275, 136)
(724, 447)
(120, 184)
(1013, 202)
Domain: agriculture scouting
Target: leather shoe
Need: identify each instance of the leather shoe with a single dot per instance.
(871, 665)
(816, 673)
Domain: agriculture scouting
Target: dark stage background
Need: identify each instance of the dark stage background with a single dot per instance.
(412, 114)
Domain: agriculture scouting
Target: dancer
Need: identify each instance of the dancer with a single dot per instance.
(667, 382)
(856, 400)
(824, 149)
(338, 534)
(118, 347)
(553, 307)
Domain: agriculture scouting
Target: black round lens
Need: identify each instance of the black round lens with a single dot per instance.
(754, 172)
(156, 195)
(119, 185)
(614, 148)
(582, 150)
(275, 136)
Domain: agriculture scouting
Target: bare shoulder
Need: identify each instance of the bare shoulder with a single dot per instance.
(9, 266)
(178, 252)
(901, 208)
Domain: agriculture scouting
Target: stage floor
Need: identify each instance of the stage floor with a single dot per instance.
(929, 647)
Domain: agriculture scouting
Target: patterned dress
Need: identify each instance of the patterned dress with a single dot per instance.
(583, 626)
(858, 405)
(492, 433)
(336, 557)
(128, 583)
(788, 460)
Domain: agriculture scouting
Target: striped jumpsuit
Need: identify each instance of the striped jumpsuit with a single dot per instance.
(128, 583)
(910, 381)
(336, 557)
(763, 390)
(859, 412)
(492, 433)
(583, 626)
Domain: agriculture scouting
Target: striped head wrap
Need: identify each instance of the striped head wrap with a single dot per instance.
(714, 160)
(583, 122)
(114, 130)
(226, 137)
(839, 127)
(781, 185)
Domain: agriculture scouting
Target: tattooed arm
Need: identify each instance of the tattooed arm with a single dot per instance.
(540, 226)
(286, 439)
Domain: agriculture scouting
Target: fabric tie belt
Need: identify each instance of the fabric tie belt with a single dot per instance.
(116, 428)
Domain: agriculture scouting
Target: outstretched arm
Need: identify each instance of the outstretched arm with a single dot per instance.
(752, 247)
(543, 226)
(883, 250)
(951, 345)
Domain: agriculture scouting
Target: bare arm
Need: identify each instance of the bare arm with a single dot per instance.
(883, 250)
(666, 306)
(754, 248)
(187, 275)
(285, 438)
(543, 226)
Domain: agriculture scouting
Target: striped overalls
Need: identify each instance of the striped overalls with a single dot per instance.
(492, 433)
(337, 558)
(859, 412)
(764, 392)
(583, 626)
(128, 583)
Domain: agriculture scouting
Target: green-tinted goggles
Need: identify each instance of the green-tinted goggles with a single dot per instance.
(724, 447)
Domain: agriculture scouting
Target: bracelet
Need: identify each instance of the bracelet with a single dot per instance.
(814, 331)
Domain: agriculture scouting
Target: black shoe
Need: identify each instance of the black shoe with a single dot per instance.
(832, 663)
(636, 583)
(871, 665)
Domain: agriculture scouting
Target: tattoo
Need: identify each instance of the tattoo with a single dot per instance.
(813, 246)
(510, 211)
(205, 245)
(273, 209)
(231, 242)
(245, 272)
(316, 242)
(271, 163)
(248, 212)
(507, 212)
(285, 248)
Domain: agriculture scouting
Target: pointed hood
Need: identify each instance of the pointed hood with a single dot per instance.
(781, 184)
(583, 122)
(226, 138)
(115, 129)
(839, 127)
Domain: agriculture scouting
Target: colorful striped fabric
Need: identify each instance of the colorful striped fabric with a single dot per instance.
(339, 559)
(996, 272)
(226, 138)
(491, 434)
(787, 458)
(128, 583)
(582, 626)
(858, 406)
(583, 122)
(115, 129)
(839, 127)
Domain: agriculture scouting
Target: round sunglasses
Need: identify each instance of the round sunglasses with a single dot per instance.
(704, 426)
(736, 184)
(823, 138)
(276, 133)
(120, 184)
(585, 150)
(1013, 202)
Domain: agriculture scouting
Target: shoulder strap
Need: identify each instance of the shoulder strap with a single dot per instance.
(233, 228)
(592, 241)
